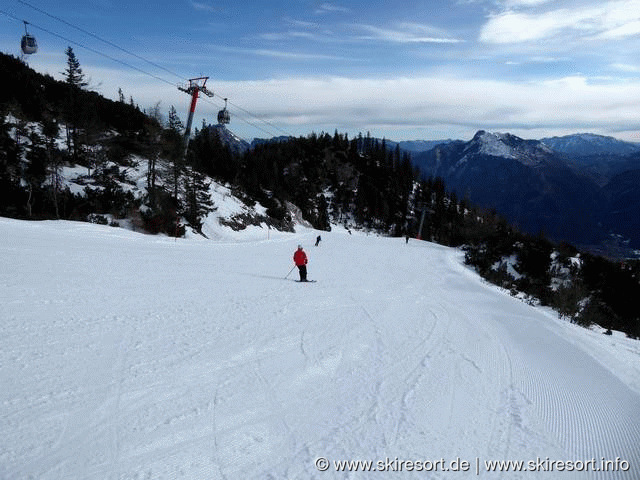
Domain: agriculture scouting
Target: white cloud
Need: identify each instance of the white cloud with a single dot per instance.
(330, 8)
(524, 3)
(625, 67)
(441, 103)
(515, 27)
(285, 54)
(205, 7)
(628, 29)
(614, 19)
(406, 33)
(301, 23)
(291, 34)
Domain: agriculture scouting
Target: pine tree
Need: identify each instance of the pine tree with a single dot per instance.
(174, 148)
(153, 133)
(9, 167)
(167, 206)
(198, 203)
(36, 169)
(73, 74)
(50, 130)
(323, 222)
(76, 82)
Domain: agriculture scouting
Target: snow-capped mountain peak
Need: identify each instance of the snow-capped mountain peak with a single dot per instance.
(494, 144)
(506, 145)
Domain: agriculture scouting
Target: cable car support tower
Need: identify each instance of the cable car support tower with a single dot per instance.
(196, 85)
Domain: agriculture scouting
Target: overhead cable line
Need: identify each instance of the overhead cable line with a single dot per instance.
(101, 39)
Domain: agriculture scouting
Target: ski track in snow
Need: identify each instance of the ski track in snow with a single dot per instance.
(127, 356)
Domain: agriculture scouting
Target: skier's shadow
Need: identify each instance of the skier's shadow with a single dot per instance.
(268, 277)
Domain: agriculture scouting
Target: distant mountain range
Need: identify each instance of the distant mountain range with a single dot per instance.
(576, 145)
(237, 144)
(580, 188)
(417, 146)
(588, 144)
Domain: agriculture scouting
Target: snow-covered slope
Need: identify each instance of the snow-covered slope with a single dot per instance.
(132, 356)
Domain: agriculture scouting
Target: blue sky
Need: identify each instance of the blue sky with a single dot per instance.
(401, 70)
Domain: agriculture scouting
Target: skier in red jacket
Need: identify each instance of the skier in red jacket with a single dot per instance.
(300, 259)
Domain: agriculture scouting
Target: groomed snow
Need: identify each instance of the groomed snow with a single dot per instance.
(126, 356)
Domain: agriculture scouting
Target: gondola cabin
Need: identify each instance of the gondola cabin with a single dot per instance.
(29, 44)
(223, 115)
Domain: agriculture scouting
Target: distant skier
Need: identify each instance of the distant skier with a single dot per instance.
(300, 259)
(318, 240)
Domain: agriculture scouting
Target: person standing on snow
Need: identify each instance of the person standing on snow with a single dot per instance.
(300, 259)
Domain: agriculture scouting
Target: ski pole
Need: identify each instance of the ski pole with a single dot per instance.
(294, 266)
